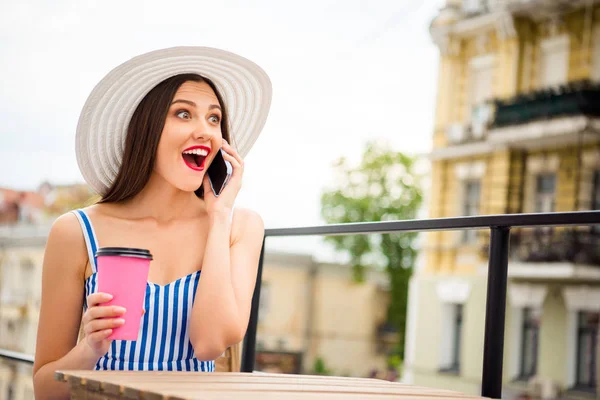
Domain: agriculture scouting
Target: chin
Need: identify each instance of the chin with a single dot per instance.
(188, 186)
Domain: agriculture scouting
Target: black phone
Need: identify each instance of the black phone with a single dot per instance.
(219, 172)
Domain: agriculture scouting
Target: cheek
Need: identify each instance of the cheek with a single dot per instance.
(217, 139)
(166, 150)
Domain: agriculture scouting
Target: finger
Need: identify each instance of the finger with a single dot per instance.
(103, 324)
(237, 168)
(98, 298)
(103, 312)
(99, 336)
(206, 186)
(231, 151)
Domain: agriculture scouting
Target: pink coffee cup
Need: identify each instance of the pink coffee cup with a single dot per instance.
(123, 273)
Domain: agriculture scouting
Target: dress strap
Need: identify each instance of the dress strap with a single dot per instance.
(89, 236)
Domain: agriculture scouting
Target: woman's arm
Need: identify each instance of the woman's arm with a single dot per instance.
(61, 306)
(63, 273)
(224, 296)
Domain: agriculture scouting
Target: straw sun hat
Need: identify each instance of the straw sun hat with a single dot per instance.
(102, 127)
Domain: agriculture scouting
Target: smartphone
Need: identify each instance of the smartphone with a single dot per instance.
(219, 172)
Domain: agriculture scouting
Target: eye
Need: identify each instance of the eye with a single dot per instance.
(215, 119)
(183, 114)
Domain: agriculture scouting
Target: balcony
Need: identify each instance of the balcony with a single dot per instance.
(576, 98)
(538, 9)
(563, 115)
(566, 254)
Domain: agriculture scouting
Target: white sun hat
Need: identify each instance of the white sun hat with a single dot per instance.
(100, 140)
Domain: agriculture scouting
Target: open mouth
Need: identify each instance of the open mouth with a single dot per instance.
(195, 157)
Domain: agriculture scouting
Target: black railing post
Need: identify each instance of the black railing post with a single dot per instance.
(493, 346)
(249, 348)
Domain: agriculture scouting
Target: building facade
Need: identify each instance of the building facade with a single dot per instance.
(517, 130)
(21, 256)
(311, 310)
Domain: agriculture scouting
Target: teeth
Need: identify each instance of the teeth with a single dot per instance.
(200, 152)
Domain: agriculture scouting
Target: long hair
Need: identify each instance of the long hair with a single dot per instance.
(143, 135)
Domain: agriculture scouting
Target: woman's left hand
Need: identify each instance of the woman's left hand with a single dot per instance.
(224, 203)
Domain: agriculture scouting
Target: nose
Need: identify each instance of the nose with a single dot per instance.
(203, 135)
(203, 132)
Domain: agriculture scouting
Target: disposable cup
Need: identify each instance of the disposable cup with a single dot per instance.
(123, 273)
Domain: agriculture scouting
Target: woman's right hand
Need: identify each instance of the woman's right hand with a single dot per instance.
(99, 322)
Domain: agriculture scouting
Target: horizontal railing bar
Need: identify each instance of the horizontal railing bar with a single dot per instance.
(14, 356)
(576, 218)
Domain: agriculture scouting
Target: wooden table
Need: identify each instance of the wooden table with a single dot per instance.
(95, 385)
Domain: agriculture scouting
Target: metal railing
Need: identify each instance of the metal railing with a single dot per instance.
(15, 356)
(499, 225)
(570, 99)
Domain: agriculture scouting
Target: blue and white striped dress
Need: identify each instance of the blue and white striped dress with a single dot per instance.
(163, 343)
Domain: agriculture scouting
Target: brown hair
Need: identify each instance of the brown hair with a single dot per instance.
(143, 135)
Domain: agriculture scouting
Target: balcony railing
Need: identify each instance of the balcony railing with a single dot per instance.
(556, 246)
(499, 226)
(572, 99)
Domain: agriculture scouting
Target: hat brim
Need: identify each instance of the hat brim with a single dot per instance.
(100, 139)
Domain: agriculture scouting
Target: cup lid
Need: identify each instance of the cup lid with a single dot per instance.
(124, 251)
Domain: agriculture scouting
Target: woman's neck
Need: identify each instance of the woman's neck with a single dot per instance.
(163, 202)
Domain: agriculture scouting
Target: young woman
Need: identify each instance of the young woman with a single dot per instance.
(145, 139)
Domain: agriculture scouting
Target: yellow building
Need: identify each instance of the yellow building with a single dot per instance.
(310, 310)
(517, 130)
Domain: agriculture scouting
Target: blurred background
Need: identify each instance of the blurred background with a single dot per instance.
(382, 110)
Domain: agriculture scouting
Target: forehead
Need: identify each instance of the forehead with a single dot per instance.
(196, 91)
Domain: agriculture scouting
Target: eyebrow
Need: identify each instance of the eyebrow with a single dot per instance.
(191, 103)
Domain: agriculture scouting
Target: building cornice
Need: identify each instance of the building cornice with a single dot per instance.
(500, 20)
(532, 135)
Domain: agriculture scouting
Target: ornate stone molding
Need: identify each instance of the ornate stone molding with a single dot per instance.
(453, 291)
(582, 298)
(541, 164)
(472, 170)
(526, 295)
(505, 25)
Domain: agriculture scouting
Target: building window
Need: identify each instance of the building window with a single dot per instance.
(471, 206)
(554, 61)
(596, 197)
(458, 324)
(596, 191)
(545, 193)
(27, 275)
(471, 6)
(481, 79)
(587, 348)
(263, 303)
(529, 342)
(596, 56)
(452, 341)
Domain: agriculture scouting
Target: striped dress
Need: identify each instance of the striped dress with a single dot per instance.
(163, 342)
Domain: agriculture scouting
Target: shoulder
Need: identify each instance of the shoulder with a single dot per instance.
(66, 228)
(246, 216)
(247, 223)
(66, 238)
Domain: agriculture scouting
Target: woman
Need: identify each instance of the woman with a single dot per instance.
(145, 138)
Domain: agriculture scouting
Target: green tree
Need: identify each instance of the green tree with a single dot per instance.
(384, 187)
(320, 368)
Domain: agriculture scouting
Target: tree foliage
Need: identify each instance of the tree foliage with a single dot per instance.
(383, 187)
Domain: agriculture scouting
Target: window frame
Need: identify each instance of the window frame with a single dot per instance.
(469, 236)
(592, 332)
(527, 325)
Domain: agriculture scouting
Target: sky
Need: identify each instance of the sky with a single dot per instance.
(343, 72)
